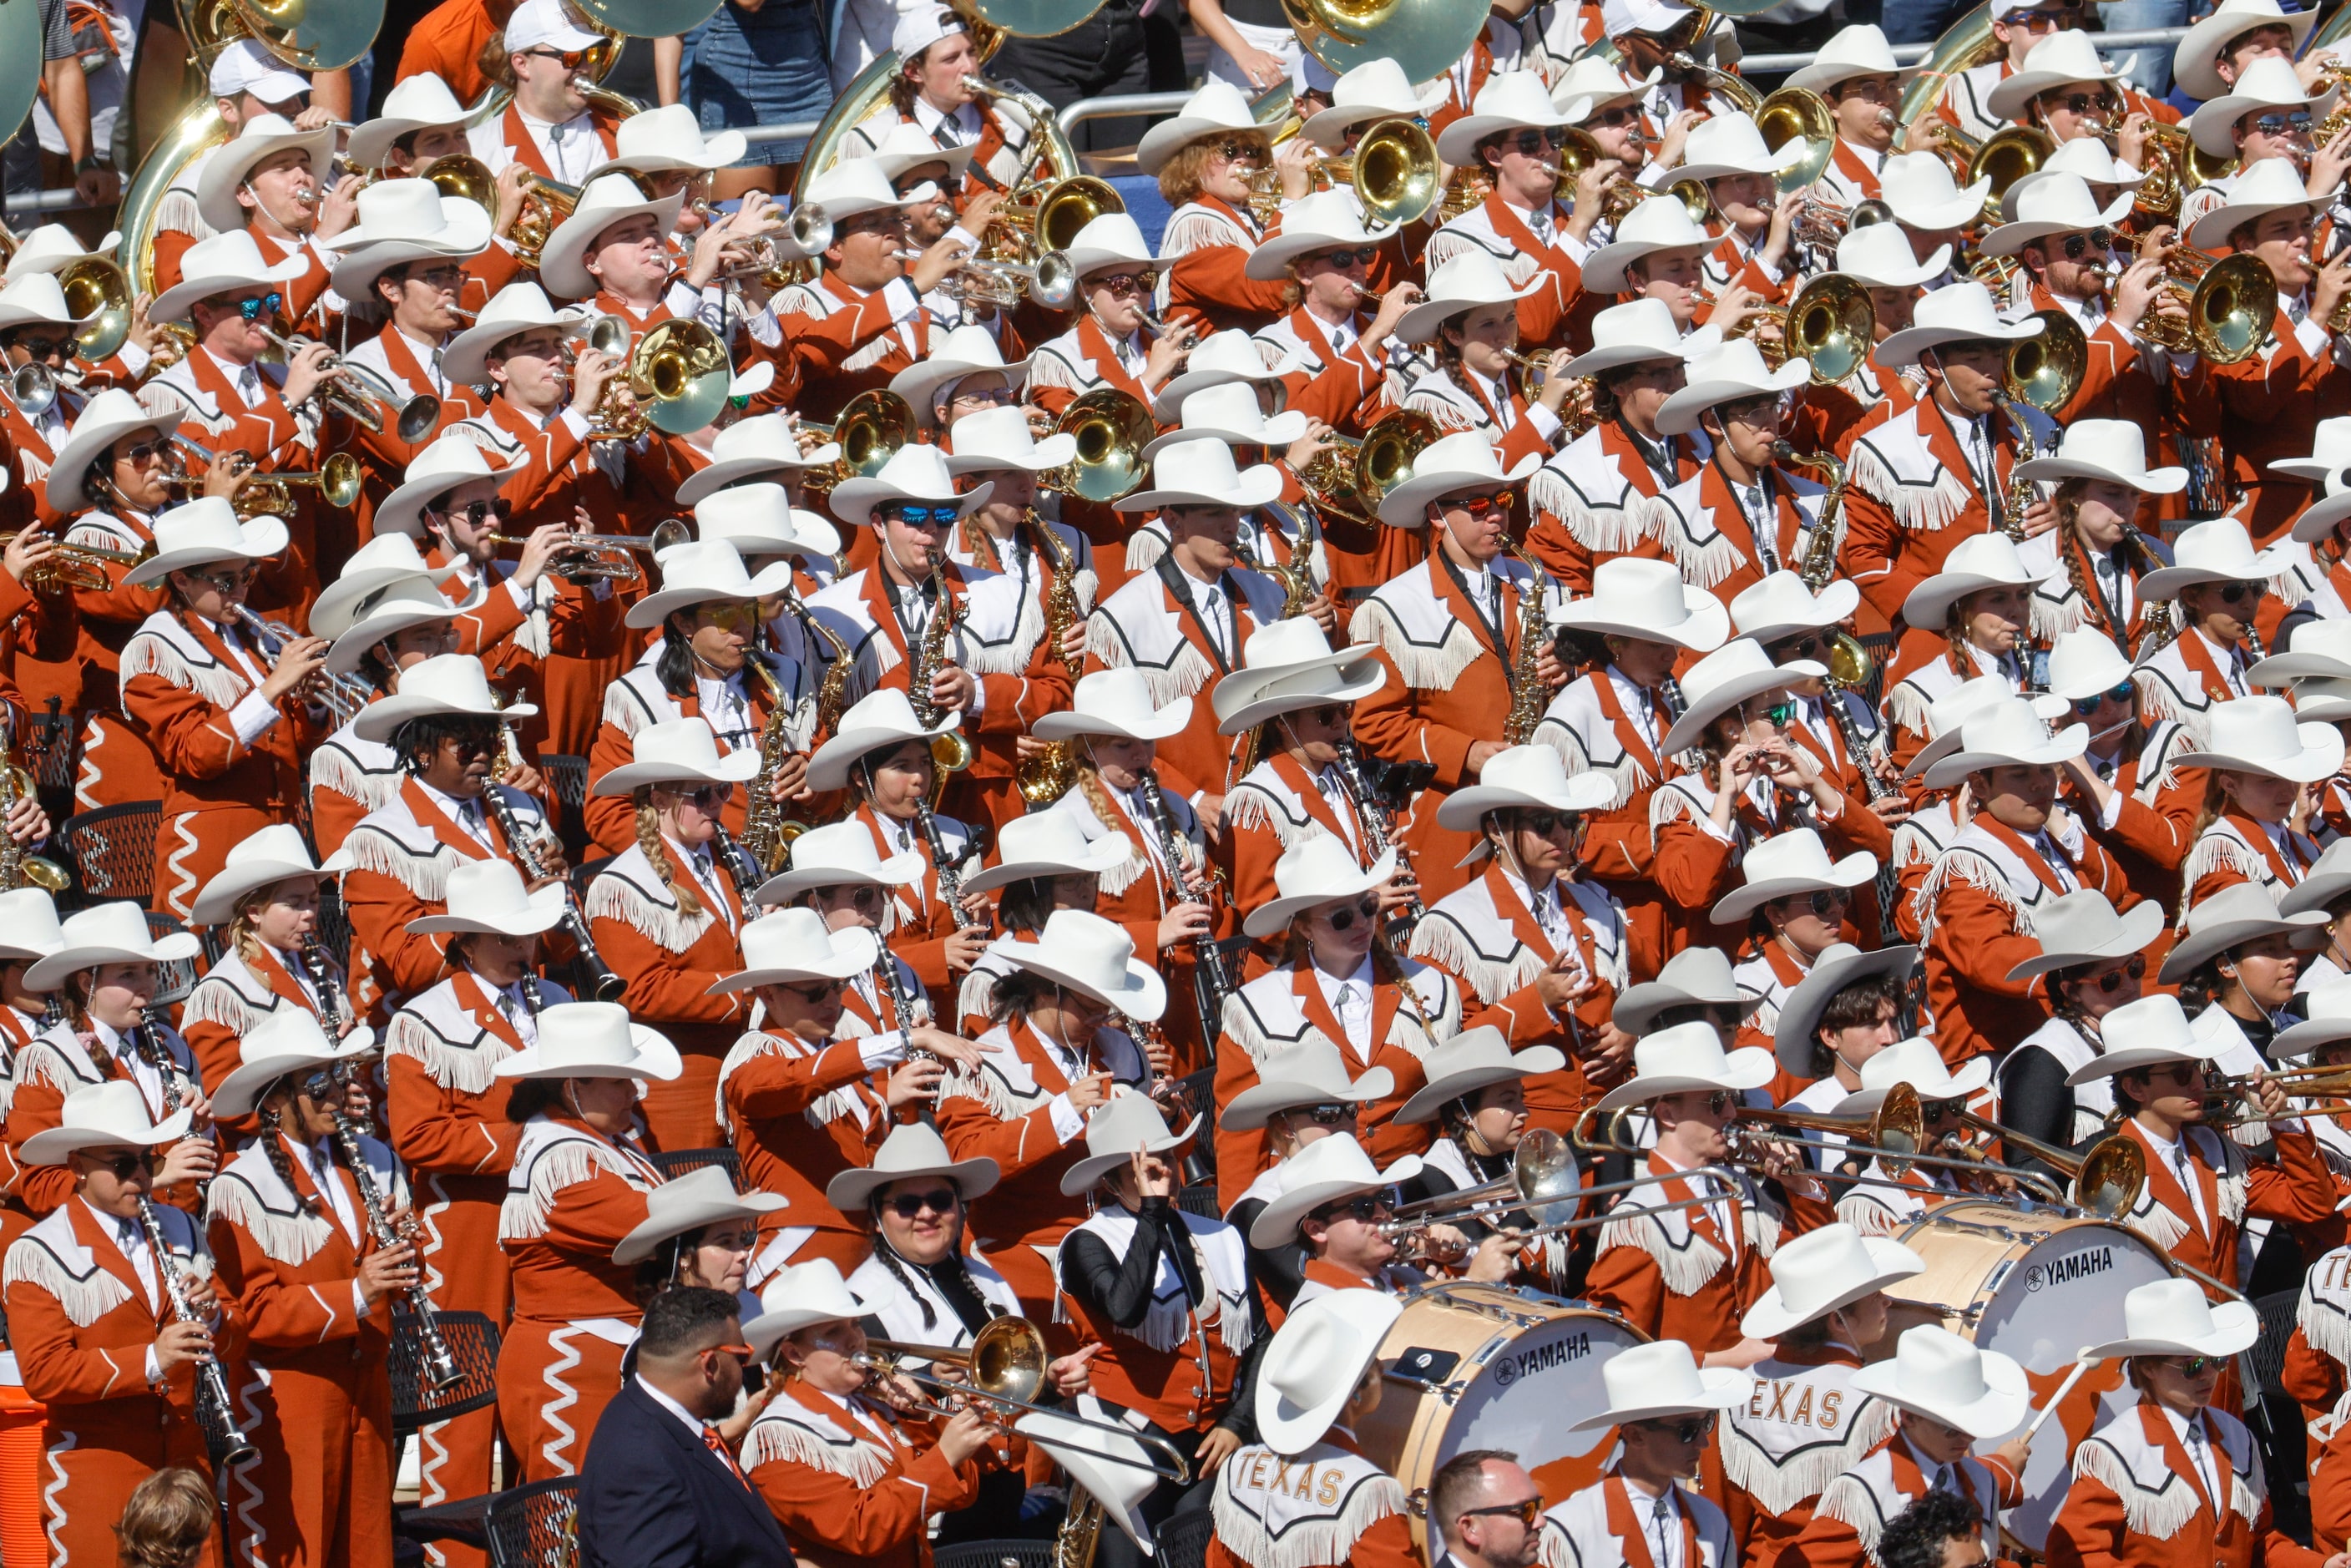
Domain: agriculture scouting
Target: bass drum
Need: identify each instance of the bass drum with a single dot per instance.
(2038, 1287)
(1493, 1366)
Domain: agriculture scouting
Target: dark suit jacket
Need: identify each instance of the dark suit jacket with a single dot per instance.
(653, 1497)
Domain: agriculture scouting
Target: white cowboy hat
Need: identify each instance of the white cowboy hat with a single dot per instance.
(1287, 665)
(1918, 186)
(1312, 872)
(800, 1297)
(1658, 225)
(487, 897)
(1219, 359)
(2259, 734)
(1947, 715)
(1977, 562)
(1508, 100)
(1463, 461)
(1111, 1466)
(1200, 472)
(608, 199)
(966, 351)
(28, 925)
(1093, 956)
(2328, 879)
(2323, 701)
(1730, 144)
(1783, 604)
(2085, 663)
(1637, 333)
(387, 561)
(594, 1039)
(1114, 702)
(1473, 1060)
(759, 518)
(103, 1116)
(1000, 438)
(2319, 647)
(2158, 1032)
(2215, 551)
(1217, 106)
(672, 751)
(2009, 733)
(855, 185)
(1879, 256)
(2085, 157)
(2058, 60)
(110, 415)
(702, 1196)
(1822, 1271)
(2271, 185)
(450, 461)
(1840, 965)
(1311, 1072)
(763, 444)
(2110, 449)
(204, 530)
(225, 264)
(261, 859)
(1592, 82)
(417, 102)
(258, 140)
(1317, 1361)
(112, 933)
(1111, 240)
(707, 572)
(2174, 1317)
(403, 221)
(1647, 1382)
(1733, 371)
(2060, 204)
(2196, 57)
(2317, 521)
(1463, 283)
(1738, 671)
(1049, 843)
(1698, 977)
(1322, 1172)
(288, 1041)
(517, 309)
(2241, 912)
(1532, 776)
(1858, 51)
(1958, 312)
(796, 945)
(53, 248)
(911, 1149)
(1786, 864)
(836, 855)
(387, 611)
(444, 685)
(1376, 90)
(668, 138)
(1229, 411)
(882, 719)
(906, 147)
(1127, 1125)
(1687, 1057)
(1915, 1063)
(2082, 927)
(2269, 82)
(1946, 1378)
(34, 299)
(1326, 220)
(1647, 600)
(916, 472)
(2327, 1020)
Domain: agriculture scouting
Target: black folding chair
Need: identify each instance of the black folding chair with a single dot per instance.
(473, 1341)
(675, 1163)
(996, 1555)
(112, 851)
(175, 979)
(536, 1526)
(1183, 1541)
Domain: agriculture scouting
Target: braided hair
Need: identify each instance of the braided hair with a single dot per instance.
(649, 838)
(950, 1275)
(273, 1140)
(674, 665)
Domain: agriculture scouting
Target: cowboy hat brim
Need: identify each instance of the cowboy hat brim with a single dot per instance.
(1532, 1062)
(263, 538)
(2319, 756)
(1420, 323)
(850, 1191)
(1253, 1107)
(543, 910)
(656, 608)
(1890, 1261)
(2308, 929)
(2145, 481)
(1830, 607)
(52, 1147)
(1163, 724)
(2135, 929)
(2196, 57)
(562, 267)
(2063, 747)
(1080, 1178)
(1278, 430)
(735, 767)
(402, 511)
(218, 900)
(352, 645)
(1792, 1037)
(1464, 810)
(828, 767)
(918, 380)
(1849, 873)
(1720, 1388)
(1968, 1080)
(898, 871)
(1106, 853)
(240, 1093)
(655, 1058)
(1140, 993)
(1701, 713)
(1253, 486)
(1902, 348)
(1747, 1067)
(706, 481)
(1705, 625)
(2236, 1325)
(85, 446)
(1683, 410)
(466, 357)
(172, 948)
(853, 500)
(171, 305)
(1276, 1224)
(1276, 914)
(1245, 697)
(640, 1244)
(2007, 1399)
(862, 950)
(1041, 458)
(381, 718)
(1403, 506)
(1636, 1009)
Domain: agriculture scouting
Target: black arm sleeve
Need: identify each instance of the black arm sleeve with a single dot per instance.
(1240, 1414)
(2035, 1101)
(1280, 1270)
(1119, 1290)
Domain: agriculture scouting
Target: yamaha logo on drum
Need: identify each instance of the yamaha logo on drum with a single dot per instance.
(1542, 1358)
(2066, 1270)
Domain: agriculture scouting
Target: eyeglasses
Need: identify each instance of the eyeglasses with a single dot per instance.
(318, 1085)
(863, 897)
(2101, 240)
(572, 60)
(2239, 592)
(2084, 706)
(1535, 143)
(1527, 1510)
(1749, 410)
(1127, 282)
(1803, 645)
(916, 516)
(235, 577)
(1480, 505)
(143, 450)
(2112, 980)
(1371, 1205)
(1344, 919)
(1329, 716)
(907, 1205)
(1238, 152)
(1543, 824)
(997, 399)
(473, 514)
(1940, 1110)
(1324, 1115)
(122, 1166)
(1823, 901)
(815, 991)
(42, 348)
(2296, 123)
(2180, 1074)
(2088, 102)
(253, 309)
(1343, 259)
(478, 741)
(2036, 21)
(737, 617)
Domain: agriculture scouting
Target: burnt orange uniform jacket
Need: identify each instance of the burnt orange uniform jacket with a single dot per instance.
(2113, 1517)
(2263, 407)
(852, 1487)
(775, 1088)
(1692, 1292)
(1901, 522)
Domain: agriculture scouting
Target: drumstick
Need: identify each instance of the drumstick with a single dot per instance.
(2081, 1365)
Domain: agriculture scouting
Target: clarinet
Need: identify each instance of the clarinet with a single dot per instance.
(741, 868)
(1211, 982)
(1378, 823)
(950, 878)
(886, 966)
(603, 985)
(152, 1051)
(440, 1366)
(211, 1382)
(322, 980)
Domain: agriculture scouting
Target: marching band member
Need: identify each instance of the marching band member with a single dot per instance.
(36, 328)
(1471, 326)
(1893, 1195)
(2128, 787)
(2018, 26)
(1664, 1409)
(291, 1222)
(2092, 961)
(2216, 48)
(2219, 583)
(1117, 278)
(2266, 116)
(1333, 975)
(577, 1189)
(1742, 518)
(2323, 890)
(670, 912)
(1333, 346)
(1304, 1094)
(1826, 1028)
(1757, 246)
(1476, 1097)
(2236, 961)
(2261, 765)
(2062, 239)
(837, 871)
(265, 903)
(937, 58)
(1209, 158)
(1978, 607)
(1512, 137)
(1332, 1202)
(1806, 1424)
(2069, 93)
(546, 400)
(405, 259)
(1223, 395)
(273, 182)
(423, 121)
(920, 1284)
(2090, 562)
(1044, 864)
(1882, 259)
(1855, 75)
(549, 125)
(1797, 903)
(865, 308)
(698, 1234)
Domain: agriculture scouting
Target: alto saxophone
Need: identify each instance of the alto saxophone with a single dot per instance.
(1528, 698)
(1047, 775)
(951, 751)
(1820, 548)
(832, 695)
(759, 853)
(2020, 491)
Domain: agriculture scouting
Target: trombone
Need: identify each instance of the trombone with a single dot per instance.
(361, 394)
(1004, 1364)
(1542, 1175)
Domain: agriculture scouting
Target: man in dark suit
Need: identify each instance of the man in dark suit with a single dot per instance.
(661, 1489)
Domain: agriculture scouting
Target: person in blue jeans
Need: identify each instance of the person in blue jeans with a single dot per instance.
(759, 62)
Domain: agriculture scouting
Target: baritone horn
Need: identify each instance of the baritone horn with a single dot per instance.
(545, 205)
(2004, 157)
(1832, 325)
(1793, 113)
(870, 430)
(677, 376)
(1394, 171)
(97, 297)
(463, 175)
(1111, 428)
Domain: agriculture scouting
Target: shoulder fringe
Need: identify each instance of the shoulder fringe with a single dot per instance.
(1423, 667)
(1670, 803)
(1702, 565)
(1847, 1500)
(1611, 528)
(1919, 507)
(2157, 1224)
(291, 1239)
(978, 988)
(465, 1070)
(1241, 1024)
(624, 709)
(1759, 1226)
(2157, 701)
(1441, 942)
(523, 1215)
(216, 1000)
(2158, 1515)
(2052, 618)
(613, 897)
(40, 1063)
(978, 1083)
(1811, 1469)
(1905, 709)
(1912, 847)
(777, 1438)
(1627, 774)
(1865, 1213)
(148, 653)
(2326, 1326)
(333, 767)
(1143, 549)
(2232, 1179)
(2218, 850)
(1685, 1270)
(1253, 806)
(1124, 874)
(1198, 229)
(1009, 657)
(1970, 867)
(84, 1300)
(1188, 673)
(1322, 1542)
(425, 876)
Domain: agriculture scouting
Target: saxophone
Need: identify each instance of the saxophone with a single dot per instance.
(951, 751)
(1046, 775)
(1820, 548)
(1528, 698)
(833, 695)
(2020, 491)
(760, 853)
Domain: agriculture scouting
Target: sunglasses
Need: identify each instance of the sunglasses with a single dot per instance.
(253, 309)
(1803, 646)
(815, 991)
(1347, 257)
(2192, 1366)
(318, 1085)
(2239, 592)
(473, 514)
(234, 578)
(711, 796)
(2037, 20)
(2180, 1074)
(1940, 1110)
(2101, 240)
(1369, 1207)
(2112, 980)
(739, 617)
(572, 60)
(1780, 714)
(440, 277)
(1527, 1510)
(1329, 716)
(2088, 102)
(1324, 1115)
(474, 742)
(1239, 151)
(1535, 143)
(142, 451)
(1823, 901)
(1689, 1429)
(122, 1166)
(1127, 282)
(1543, 824)
(1480, 505)
(907, 1205)
(1623, 114)
(1344, 919)
(2297, 122)
(42, 348)
(2084, 706)
(921, 517)
(864, 898)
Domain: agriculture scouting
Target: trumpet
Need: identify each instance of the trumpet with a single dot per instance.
(79, 566)
(607, 555)
(362, 396)
(342, 695)
(1052, 283)
(808, 232)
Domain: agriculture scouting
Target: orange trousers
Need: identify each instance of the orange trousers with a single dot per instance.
(117, 764)
(97, 1456)
(554, 1380)
(463, 1271)
(320, 1495)
(682, 1114)
(191, 848)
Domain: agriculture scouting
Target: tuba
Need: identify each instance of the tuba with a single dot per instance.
(98, 296)
(1394, 171)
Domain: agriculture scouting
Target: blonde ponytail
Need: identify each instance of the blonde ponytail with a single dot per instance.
(649, 838)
